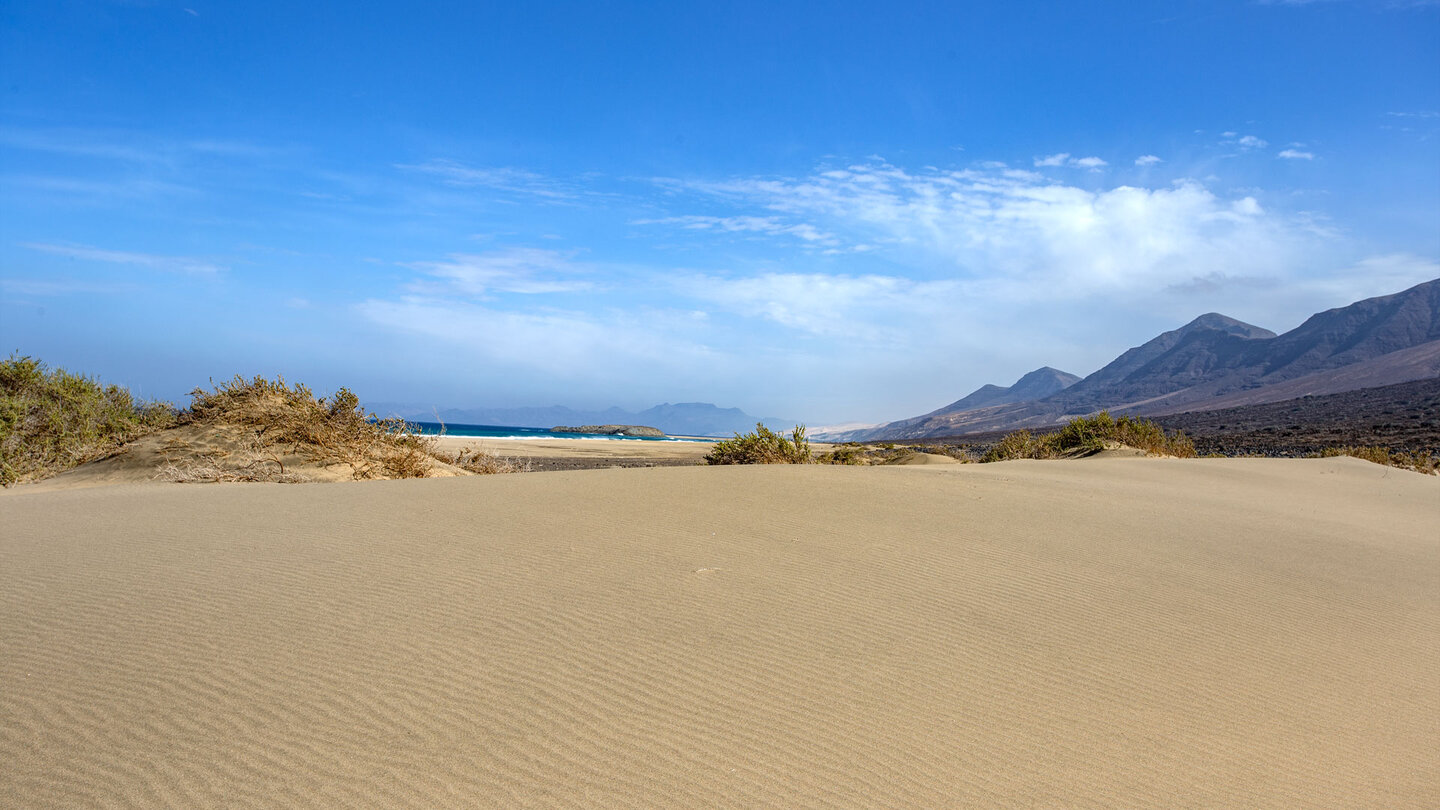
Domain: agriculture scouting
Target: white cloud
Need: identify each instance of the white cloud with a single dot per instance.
(1064, 159)
(526, 271)
(174, 264)
(1051, 237)
(1252, 142)
(748, 224)
(819, 303)
(510, 180)
(583, 348)
(1147, 160)
(1295, 154)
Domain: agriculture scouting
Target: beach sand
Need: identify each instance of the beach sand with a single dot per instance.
(586, 454)
(1105, 632)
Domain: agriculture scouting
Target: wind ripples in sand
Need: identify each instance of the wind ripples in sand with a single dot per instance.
(1125, 632)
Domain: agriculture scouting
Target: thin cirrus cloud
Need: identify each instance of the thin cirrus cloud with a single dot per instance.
(518, 270)
(768, 226)
(583, 347)
(1296, 154)
(172, 264)
(857, 308)
(1064, 159)
(505, 179)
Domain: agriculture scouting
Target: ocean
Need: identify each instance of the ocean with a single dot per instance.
(503, 432)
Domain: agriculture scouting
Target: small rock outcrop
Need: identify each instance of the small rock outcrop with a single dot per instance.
(611, 430)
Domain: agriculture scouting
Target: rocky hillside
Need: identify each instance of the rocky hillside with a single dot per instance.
(1216, 361)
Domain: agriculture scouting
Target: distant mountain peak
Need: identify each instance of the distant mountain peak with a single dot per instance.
(1042, 382)
(1227, 324)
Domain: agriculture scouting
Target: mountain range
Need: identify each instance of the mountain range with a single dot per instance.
(1212, 362)
(678, 419)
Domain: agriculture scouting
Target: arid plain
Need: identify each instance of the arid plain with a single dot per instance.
(1102, 632)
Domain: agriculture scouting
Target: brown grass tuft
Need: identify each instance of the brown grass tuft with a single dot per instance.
(327, 432)
(482, 462)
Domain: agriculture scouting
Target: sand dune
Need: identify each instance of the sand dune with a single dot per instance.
(1109, 632)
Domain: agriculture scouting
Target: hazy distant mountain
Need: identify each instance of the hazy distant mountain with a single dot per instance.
(679, 419)
(1216, 361)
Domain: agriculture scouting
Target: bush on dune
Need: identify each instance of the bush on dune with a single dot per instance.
(764, 446)
(51, 421)
(1085, 435)
(326, 431)
(1421, 462)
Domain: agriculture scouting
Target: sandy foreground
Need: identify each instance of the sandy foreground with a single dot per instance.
(1108, 632)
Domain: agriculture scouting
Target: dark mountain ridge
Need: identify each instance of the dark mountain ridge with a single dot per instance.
(1042, 382)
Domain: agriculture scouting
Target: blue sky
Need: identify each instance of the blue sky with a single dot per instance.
(820, 211)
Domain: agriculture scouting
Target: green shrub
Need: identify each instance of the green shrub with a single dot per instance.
(51, 421)
(764, 446)
(1085, 435)
(848, 453)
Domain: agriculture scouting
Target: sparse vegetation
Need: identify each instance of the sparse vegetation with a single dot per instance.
(849, 453)
(1421, 462)
(289, 420)
(1086, 435)
(763, 446)
(51, 421)
(482, 462)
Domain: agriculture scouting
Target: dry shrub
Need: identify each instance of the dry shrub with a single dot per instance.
(205, 470)
(1421, 462)
(764, 446)
(51, 421)
(482, 462)
(326, 432)
(1087, 435)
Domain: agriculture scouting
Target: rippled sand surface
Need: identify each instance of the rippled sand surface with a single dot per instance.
(1114, 632)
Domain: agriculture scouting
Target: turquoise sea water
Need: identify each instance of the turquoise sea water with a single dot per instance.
(503, 432)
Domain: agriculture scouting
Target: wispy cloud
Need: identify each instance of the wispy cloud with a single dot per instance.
(845, 306)
(130, 146)
(1245, 142)
(53, 287)
(509, 180)
(1064, 159)
(1052, 237)
(583, 348)
(172, 264)
(523, 271)
(1147, 160)
(770, 226)
(1296, 154)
